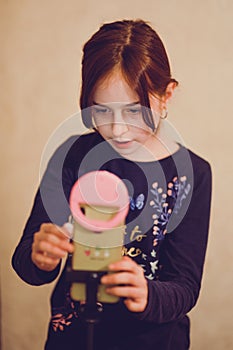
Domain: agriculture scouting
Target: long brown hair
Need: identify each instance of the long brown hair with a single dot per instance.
(135, 48)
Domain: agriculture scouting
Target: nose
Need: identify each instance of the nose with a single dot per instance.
(119, 126)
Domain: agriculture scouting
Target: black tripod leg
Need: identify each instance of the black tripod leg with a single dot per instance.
(90, 335)
(91, 310)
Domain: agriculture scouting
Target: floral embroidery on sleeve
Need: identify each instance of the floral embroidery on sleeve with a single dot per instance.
(161, 213)
(59, 321)
(166, 203)
(183, 188)
(163, 203)
(63, 316)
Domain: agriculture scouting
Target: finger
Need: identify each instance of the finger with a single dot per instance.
(47, 267)
(56, 230)
(124, 291)
(44, 262)
(135, 299)
(135, 305)
(53, 239)
(46, 259)
(43, 247)
(50, 249)
(120, 278)
(56, 241)
(124, 264)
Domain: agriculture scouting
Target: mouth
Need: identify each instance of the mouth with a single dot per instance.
(122, 143)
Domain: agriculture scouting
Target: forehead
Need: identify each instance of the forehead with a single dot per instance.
(114, 88)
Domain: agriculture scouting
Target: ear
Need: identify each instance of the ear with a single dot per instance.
(169, 91)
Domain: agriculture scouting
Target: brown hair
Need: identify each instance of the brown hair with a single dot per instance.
(134, 47)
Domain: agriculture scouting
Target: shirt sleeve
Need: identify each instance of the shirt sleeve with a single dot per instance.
(176, 291)
(50, 205)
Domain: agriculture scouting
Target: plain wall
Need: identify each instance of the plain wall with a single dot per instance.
(41, 45)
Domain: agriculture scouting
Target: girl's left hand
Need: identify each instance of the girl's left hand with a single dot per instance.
(127, 281)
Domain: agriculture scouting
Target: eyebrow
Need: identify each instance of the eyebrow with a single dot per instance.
(127, 105)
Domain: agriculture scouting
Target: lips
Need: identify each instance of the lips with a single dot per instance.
(122, 144)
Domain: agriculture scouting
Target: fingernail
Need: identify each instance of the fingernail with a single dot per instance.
(102, 279)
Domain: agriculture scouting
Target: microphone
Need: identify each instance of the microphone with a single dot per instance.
(99, 203)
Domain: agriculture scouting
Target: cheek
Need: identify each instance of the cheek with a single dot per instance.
(104, 130)
(142, 132)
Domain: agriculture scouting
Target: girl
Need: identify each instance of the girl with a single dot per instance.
(126, 85)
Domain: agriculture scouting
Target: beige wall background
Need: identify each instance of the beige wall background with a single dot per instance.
(41, 46)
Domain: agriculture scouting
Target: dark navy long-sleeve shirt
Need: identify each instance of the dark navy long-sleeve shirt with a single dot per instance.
(166, 233)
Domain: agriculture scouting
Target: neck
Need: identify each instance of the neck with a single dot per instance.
(158, 146)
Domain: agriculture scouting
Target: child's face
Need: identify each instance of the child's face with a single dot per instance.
(117, 114)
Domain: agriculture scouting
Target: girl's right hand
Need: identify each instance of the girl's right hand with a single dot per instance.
(50, 245)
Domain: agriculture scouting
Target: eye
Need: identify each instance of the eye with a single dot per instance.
(101, 110)
(133, 111)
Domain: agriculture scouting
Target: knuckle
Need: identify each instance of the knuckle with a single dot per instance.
(43, 226)
(36, 236)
